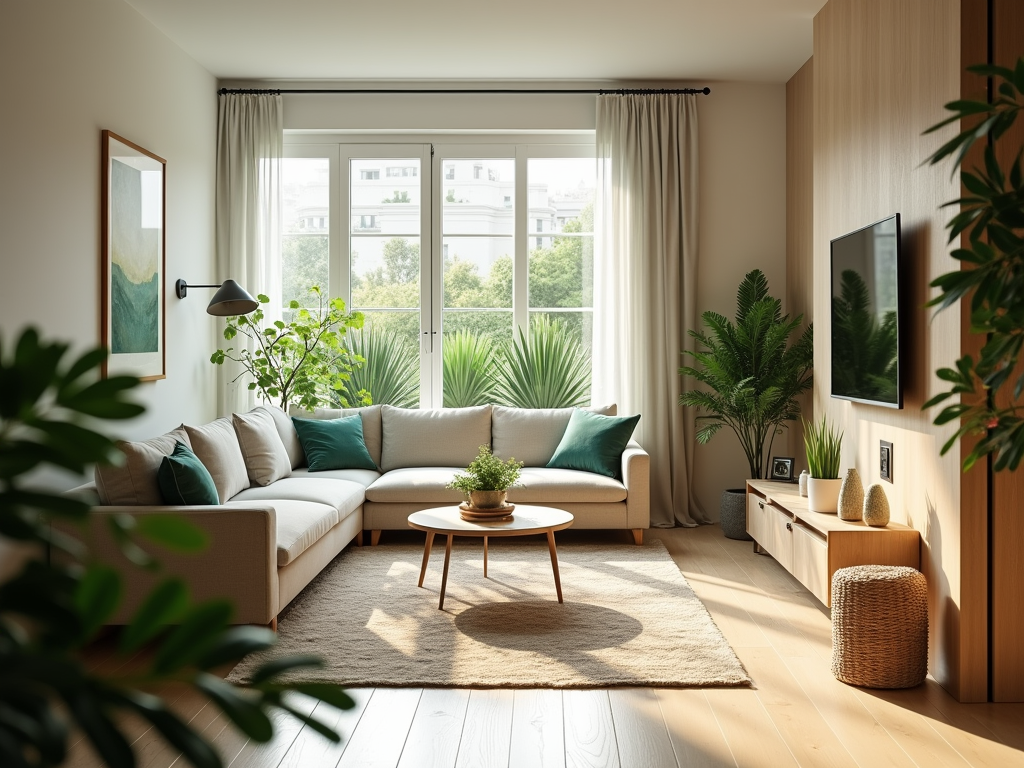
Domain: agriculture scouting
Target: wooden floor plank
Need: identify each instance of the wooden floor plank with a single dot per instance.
(311, 750)
(589, 731)
(697, 738)
(487, 734)
(640, 729)
(436, 731)
(752, 736)
(538, 731)
(383, 729)
(286, 728)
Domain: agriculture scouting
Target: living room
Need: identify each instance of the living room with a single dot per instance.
(813, 128)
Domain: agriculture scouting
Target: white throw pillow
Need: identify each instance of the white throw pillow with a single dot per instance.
(289, 437)
(217, 447)
(266, 459)
(134, 483)
(531, 435)
(446, 437)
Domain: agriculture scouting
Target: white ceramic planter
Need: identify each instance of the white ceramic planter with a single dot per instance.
(823, 495)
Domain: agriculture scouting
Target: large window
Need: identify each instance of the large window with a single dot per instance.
(461, 257)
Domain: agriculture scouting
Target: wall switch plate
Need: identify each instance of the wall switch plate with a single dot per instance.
(885, 460)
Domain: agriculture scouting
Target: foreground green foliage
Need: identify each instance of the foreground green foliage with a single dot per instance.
(390, 371)
(301, 362)
(751, 374)
(992, 218)
(543, 369)
(56, 605)
(824, 448)
(487, 473)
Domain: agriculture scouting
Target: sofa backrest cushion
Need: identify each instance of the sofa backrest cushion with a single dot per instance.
(266, 459)
(289, 438)
(372, 436)
(217, 447)
(531, 435)
(446, 437)
(134, 483)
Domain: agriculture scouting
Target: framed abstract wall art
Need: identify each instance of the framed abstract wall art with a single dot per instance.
(132, 260)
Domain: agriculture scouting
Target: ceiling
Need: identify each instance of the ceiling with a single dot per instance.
(691, 40)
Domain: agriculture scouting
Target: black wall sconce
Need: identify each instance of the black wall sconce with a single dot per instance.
(231, 299)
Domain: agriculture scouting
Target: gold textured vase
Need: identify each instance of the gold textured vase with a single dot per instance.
(851, 496)
(876, 507)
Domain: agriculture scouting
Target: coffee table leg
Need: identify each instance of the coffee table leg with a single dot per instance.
(554, 564)
(426, 556)
(485, 557)
(444, 576)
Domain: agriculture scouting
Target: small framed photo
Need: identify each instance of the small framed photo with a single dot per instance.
(885, 460)
(782, 468)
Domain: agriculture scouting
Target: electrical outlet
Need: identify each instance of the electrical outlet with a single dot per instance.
(885, 460)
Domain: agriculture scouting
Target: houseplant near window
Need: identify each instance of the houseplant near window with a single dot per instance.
(752, 376)
(824, 448)
(487, 479)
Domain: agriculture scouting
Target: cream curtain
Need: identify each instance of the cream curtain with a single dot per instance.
(644, 282)
(250, 145)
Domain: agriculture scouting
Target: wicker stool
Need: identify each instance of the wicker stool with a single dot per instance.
(879, 626)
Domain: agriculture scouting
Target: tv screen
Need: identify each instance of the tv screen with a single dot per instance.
(866, 315)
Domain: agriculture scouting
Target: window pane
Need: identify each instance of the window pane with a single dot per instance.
(385, 272)
(470, 355)
(304, 244)
(477, 271)
(386, 196)
(478, 197)
(578, 327)
(497, 325)
(389, 343)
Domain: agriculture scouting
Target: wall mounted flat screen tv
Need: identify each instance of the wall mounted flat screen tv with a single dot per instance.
(866, 324)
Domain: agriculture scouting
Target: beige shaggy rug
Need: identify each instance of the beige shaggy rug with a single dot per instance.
(629, 618)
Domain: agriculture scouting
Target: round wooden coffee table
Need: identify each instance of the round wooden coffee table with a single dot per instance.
(526, 520)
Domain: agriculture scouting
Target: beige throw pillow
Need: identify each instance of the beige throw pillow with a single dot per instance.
(217, 447)
(134, 483)
(446, 437)
(289, 437)
(531, 435)
(266, 459)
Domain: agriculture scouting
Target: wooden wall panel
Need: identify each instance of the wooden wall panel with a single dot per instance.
(882, 71)
(1007, 552)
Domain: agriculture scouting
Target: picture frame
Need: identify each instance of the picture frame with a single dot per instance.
(133, 260)
(782, 468)
(885, 460)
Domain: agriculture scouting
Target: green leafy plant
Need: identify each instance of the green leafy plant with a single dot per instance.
(55, 605)
(751, 373)
(302, 362)
(467, 368)
(824, 447)
(865, 351)
(992, 218)
(487, 473)
(545, 369)
(390, 371)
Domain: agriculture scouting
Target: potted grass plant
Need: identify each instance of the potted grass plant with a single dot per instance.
(824, 446)
(486, 481)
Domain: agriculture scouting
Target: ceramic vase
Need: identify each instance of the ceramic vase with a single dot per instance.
(487, 499)
(823, 495)
(851, 496)
(804, 477)
(876, 507)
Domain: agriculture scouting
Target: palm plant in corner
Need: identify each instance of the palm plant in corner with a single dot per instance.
(751, 376)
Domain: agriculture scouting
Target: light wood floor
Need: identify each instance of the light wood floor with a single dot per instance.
(797, 713)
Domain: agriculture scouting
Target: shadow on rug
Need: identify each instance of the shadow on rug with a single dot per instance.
(629, 618)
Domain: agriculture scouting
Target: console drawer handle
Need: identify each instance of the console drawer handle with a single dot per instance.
(760, 504)
(789, 526)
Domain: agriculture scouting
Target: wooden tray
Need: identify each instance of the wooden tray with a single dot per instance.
(477, 515)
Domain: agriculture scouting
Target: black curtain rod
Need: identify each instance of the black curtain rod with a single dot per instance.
(600, 92)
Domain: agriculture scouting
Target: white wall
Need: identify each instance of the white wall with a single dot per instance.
(73, 68)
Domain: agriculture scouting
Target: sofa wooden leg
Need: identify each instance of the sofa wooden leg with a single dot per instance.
(359, 539)
(638, 536)
(374, 538)
(273, 624)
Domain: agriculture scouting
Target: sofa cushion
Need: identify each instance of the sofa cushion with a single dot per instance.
(184, 480)
(531, 435)
(217, 447)
(594, 443)
(371, 424)
(539, 485)
(265, 456)
(289, 437)
(364, 477)
(342, 495)
(134, 483)
(300, 524)
(419, 484)
(333, 443)
(446, 437)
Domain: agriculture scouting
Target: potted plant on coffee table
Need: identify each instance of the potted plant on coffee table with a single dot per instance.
(486, 481)
(751, 376)
(824, 446)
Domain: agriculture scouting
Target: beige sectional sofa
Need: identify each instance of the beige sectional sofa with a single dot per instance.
(278, 524)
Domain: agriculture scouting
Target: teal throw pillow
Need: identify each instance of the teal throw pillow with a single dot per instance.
(594, 443)
(334, 443)
(183, 479)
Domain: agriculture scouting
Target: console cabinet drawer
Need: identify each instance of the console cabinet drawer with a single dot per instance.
(810, 562)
